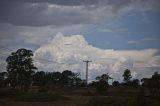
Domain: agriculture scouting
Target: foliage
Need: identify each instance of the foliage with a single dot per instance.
(57, 77)
(51, 79)
(105, 77)
(42, 78)
(127, 75)
(102, 87)
(93, 84)
(115, 83)
(153, 84)
(136, 83)
(20, 69)
(67, 77)
(102, 84)
(39, 78)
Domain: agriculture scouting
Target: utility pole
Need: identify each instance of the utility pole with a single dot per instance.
(86, 61)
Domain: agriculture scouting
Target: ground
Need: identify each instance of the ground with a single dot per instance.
(79, 96)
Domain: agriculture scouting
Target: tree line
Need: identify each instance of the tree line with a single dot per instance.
(21, 74)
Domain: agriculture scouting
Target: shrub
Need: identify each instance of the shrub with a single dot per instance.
(102, 87)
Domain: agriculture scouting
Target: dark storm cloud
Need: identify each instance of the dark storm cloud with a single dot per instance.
(64, 12)
(60, 2)
(30, 14)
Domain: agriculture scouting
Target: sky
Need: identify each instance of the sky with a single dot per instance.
(114, 34)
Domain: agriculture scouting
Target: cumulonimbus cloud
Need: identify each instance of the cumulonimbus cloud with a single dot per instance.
(68, 52)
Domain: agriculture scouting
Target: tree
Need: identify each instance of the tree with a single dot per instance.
(56, 77)
(105, 77)
(136, 83)
(102, 84)
(48, 79)
(67, 77)
(76, 79)
(145, 82)
(127, 75)
(20, 69)
(115, 83)
(39, 78)
(102, 87)
(153, 84)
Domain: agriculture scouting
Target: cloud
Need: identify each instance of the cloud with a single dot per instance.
(105, 30)
(144, 40)
(71, 12)
(115, 31)
(68, 52)
(133, 42)
(31, 37)
(30, 24)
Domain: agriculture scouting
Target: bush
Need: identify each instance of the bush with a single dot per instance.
(115, 83)
(102, 87)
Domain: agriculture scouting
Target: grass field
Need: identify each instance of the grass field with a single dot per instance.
(77, 96)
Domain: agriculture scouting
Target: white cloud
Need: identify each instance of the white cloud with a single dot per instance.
(68, 52)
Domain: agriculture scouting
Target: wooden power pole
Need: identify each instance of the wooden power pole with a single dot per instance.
(86, 61)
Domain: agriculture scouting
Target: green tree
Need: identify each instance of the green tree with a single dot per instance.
(115, 83)
(105, 77)
(136, 83)
(20, 69)
(102, 87)
(153, 84)
(127, 75)
(56, 77)
(102, 84)
(67, 77)
(39, 78)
